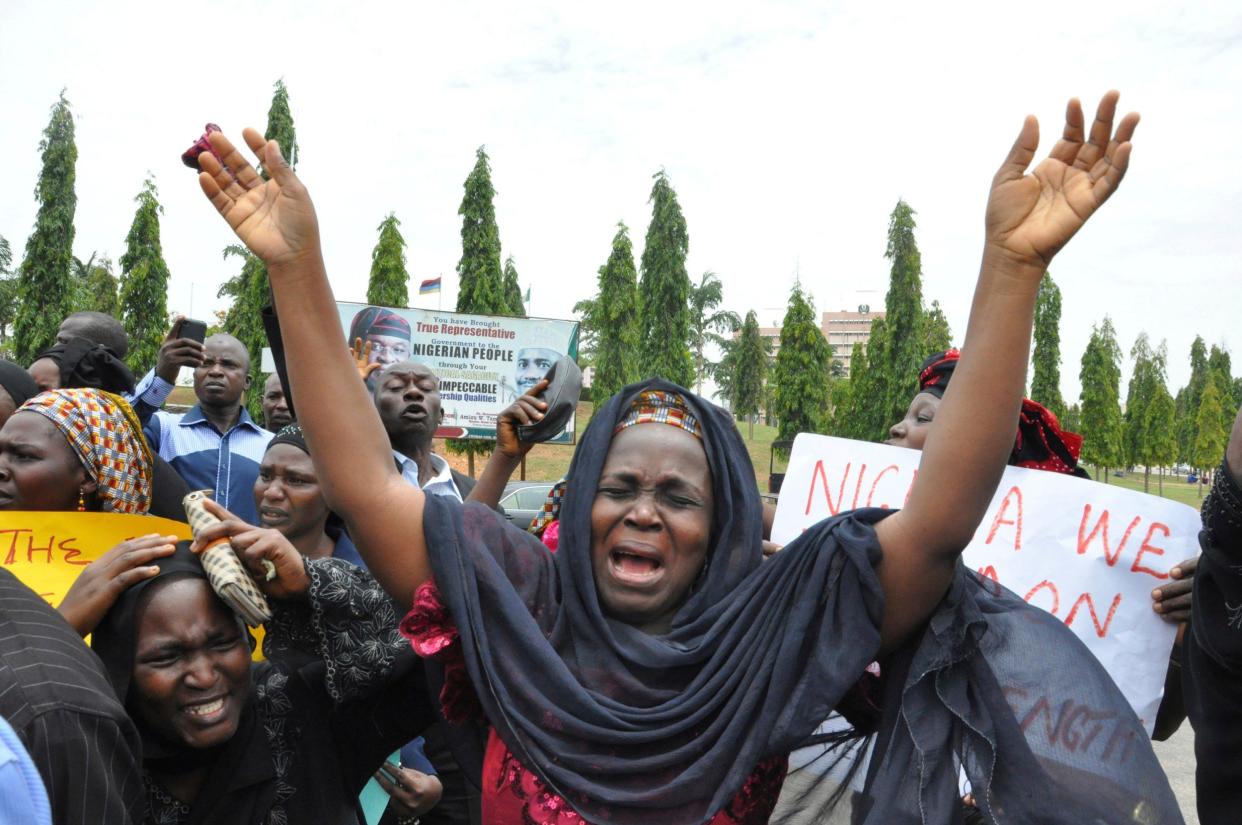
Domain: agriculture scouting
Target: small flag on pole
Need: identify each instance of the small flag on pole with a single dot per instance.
(527, 298)
(430, 285)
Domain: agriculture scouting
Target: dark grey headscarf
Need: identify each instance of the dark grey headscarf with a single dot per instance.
(632, 729)
(17, 383)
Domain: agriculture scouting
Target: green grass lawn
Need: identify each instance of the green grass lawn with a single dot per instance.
(1175, 487)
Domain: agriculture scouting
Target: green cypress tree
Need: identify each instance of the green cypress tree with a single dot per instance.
(144, 282)
(750, 352)
(615, 320)
(249, 289)
(1046, 360)
(44, 292)
(8, 294)
(101, 289)
(389, 281)
(587, 333)
(1073, 418)
(847, 395)
(280, 125)
(1161, 448)
(479, 277)
(895, 347)
(1190, 397)
(1146, 383)
(514, 305)
(79, 274)
(1220, 372)
(800, 378)
(480, 282)
(707, 322)
(664, 314)
(937, 335)
(1210, 435)
(1100, 376)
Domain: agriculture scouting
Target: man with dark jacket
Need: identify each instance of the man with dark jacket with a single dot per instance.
(55, 695)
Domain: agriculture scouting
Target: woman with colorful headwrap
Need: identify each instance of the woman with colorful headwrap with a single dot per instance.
(1040, 444)
(82, 449)
(655, 669)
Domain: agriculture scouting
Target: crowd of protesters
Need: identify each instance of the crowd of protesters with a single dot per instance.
(639, 654)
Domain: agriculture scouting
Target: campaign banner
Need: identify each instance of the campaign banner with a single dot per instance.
(47, 550)
(484, 362)
(1088, 553)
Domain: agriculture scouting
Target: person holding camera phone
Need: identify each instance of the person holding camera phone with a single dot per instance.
(216, 445)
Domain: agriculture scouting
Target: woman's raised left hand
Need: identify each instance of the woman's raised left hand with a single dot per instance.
(274, 218)
(253, 545)
(1031, 216)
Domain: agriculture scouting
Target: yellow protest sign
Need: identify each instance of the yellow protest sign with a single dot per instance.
(47, 550)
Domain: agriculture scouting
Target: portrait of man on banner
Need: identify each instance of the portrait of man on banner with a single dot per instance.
(387, 333)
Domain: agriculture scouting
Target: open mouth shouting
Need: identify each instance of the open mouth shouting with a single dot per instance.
(635, 565)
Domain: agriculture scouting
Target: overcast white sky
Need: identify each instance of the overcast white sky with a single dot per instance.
(789, 131)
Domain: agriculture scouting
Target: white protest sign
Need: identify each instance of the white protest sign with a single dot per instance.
(1088, 553)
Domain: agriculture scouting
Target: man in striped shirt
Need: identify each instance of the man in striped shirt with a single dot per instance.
(215, 446)
(55, 695)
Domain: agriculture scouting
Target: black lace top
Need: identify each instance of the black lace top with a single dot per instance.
(1212, 655)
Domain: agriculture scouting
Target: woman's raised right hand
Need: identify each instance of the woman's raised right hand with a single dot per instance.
(274, 218)
(103, 581)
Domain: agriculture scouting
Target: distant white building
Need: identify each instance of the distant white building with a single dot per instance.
(842, 329)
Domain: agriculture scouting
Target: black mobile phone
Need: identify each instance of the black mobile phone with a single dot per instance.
(194, 330)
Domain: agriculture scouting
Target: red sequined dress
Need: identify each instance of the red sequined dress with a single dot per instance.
(513, 794)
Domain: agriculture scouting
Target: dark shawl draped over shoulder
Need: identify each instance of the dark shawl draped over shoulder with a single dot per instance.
(633, 728)
(636, 728)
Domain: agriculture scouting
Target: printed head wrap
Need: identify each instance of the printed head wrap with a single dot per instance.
(1040, 444)
(378, 321)
(107, 437)
(290, 434)
(936, 372)
(659, 407)
(648, 407)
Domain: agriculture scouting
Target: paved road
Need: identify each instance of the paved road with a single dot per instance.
(1177, 755)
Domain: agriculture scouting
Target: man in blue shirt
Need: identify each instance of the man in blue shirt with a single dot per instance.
(23, 799)
(215, 446)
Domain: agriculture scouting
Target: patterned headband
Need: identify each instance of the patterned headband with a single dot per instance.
(660, 407)
(107, 437)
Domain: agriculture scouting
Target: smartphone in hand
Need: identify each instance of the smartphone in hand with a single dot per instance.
(194, 330)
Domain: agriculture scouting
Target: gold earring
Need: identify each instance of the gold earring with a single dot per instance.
(81, 502)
